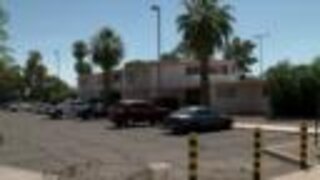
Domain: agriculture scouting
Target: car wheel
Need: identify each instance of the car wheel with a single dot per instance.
(56, 115)
(179, 131)
(153, 122)
(118, 124)
(85, 116)
(228, 124)
(121, 123)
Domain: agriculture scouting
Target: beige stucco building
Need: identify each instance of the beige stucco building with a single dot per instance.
(241, 97)
(176, 79)
(181, 80)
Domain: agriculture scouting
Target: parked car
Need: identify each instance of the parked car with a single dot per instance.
(92, 109)
(68, 108)
(197, 118)
(43, 108)
(25, 106)
(130, 112)
(13, 107)
(99, 109)
(19, 106)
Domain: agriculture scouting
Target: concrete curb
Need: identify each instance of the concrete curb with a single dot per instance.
(282, 156)
(273, 127)
(310, 174)
(286, 157)
(12, 173)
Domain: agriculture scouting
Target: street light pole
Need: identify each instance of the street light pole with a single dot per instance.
(58, 61)
(260, 38)
(157, 9)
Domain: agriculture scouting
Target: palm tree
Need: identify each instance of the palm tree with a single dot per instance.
(107, 51)
(206, 26)
(241, 52)
(35, 75)
(80, 51)
(31, 69)
(180, 52)
(83, 68)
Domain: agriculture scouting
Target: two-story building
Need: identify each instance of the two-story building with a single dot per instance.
(175, 80)
(180, 80)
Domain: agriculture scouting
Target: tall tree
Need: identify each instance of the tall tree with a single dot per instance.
(169, 56)
(79, 52)
(107, 51)
(3, 32)
(56, 90)
(206, 26)
(11, 82)
(35, 75)
(32, 63)
(10, 74)
(180, 52)
(293, 90)
(83, 68)
(241, 51)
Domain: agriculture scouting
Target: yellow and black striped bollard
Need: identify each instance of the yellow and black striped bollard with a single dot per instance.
(193, 156)
(257, 146)
(1, 139)
(303, 146)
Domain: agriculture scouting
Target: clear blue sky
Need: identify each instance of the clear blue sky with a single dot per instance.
(49, 25)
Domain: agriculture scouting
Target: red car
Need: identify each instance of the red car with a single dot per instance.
(131, 112)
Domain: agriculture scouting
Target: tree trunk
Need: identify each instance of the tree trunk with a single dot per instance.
(106, 87)
(204, 81)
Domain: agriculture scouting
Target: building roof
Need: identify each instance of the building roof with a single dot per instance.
(181, 62)
(245, 82)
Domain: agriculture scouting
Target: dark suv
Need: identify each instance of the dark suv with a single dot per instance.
(130, 112)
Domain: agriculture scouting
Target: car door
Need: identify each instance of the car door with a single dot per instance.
(67, 108)
(207, 118)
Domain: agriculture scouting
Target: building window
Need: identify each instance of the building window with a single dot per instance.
(117, 77)
(194, 70)
(130, 77)
(212, 70)
(224, 70)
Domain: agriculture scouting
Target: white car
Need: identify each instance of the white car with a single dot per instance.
(14, 107)
(68, 108)
(20, 106)
(43, 108)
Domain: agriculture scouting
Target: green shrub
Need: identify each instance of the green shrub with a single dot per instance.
(294, 89)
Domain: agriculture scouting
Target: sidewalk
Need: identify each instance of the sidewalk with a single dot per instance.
(272, 127)
(10, 173)
(312, 174)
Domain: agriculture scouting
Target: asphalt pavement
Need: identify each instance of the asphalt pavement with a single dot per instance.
(36, 143)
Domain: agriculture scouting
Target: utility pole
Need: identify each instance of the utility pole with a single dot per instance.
(260, 38)
(156, 8)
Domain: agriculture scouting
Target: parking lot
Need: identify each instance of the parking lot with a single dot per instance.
(37, 143)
